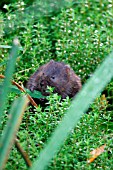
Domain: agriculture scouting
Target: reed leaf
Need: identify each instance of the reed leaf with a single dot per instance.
(8, 74)
(9, 133)
(80, 104)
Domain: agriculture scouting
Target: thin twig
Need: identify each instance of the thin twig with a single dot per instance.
(23, 153)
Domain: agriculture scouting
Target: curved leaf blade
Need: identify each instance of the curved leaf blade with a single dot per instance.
(9, 132)
(8, 74)
(80, 104)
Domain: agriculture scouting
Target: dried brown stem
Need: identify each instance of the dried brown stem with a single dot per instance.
(23, 153)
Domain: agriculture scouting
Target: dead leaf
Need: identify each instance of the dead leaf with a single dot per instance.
(103, 102)
(95, 153)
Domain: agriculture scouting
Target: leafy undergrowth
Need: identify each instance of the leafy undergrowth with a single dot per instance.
(80, 36)
(93, 130)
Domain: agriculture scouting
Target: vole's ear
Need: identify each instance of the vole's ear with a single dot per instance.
(67, 68)
(51, 61)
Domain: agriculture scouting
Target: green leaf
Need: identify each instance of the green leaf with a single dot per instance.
(79, 105)
(3, 63)
(35, 94)
(8, 75)
(12, 126)
(9, 47)
(12, 88)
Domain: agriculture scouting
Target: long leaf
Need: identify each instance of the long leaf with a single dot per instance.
(8, 47)
(10, 131)
(8, 74)
(79, 105)
(12, 88)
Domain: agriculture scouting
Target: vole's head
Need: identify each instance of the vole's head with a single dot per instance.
(55, 74)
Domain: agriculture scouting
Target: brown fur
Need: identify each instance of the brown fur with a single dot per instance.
(57, 75)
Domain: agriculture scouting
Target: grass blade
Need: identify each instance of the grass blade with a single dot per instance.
(12, 89)
(8, 74)
(3, 63)
(9, 133)
(80, 104)
(8, 47)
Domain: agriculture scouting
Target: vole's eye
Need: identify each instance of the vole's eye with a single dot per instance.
(53, 77)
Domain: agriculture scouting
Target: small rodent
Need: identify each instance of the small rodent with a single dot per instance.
(57, 75)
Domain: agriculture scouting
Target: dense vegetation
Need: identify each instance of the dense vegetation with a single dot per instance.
(81, 36)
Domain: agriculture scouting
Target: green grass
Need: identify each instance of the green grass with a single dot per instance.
(81, 36)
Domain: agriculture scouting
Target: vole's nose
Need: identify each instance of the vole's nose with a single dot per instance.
(42, 83)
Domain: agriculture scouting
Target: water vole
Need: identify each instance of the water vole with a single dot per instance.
(57, 75)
